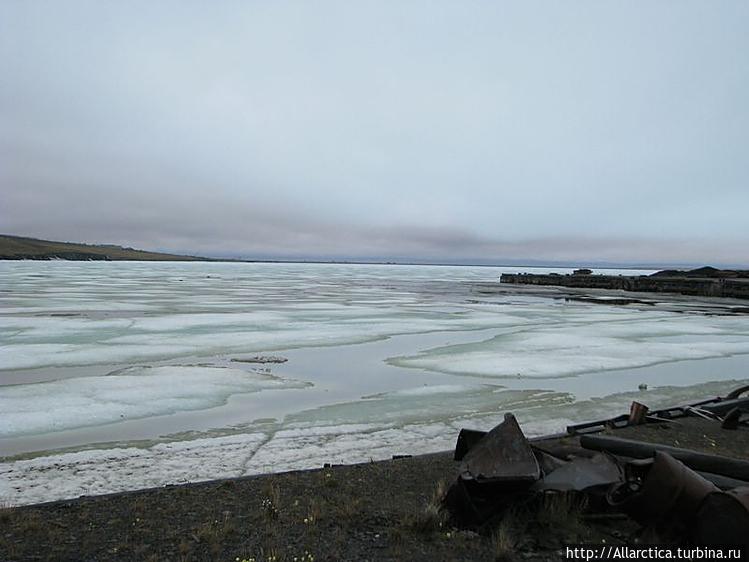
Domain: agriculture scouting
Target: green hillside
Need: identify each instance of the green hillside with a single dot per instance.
(19, 248)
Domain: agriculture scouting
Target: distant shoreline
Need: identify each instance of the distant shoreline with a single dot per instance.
(188, 259)
(21, 248)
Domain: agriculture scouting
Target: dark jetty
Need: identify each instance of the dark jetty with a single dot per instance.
(704, 281)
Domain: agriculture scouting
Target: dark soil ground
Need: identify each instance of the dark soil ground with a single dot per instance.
(375, 511)
(385, 510)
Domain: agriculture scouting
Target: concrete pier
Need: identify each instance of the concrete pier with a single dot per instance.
(705, 282)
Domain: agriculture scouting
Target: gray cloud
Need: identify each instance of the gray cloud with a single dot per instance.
(585, 131)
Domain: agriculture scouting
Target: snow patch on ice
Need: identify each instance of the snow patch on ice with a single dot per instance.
(70, 475)
(571, 349)
(133, 392)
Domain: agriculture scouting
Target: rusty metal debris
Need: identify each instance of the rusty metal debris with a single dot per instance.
(502, 454)
(734, 418)
(715, 464)
(598, 425)
(501, 466)
(467, 438)
(734, 394)
(637, 413)
(667, 497)
(723, 518)
(496, 468)
(722, 407)
(711, 408)
(582, 475)
(661, 493)
(678, 494)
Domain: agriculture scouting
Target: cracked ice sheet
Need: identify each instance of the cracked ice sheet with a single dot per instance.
(571, 348)
(341, 433)
(129, 393)
(330, 434)
(409, 421)
(336, 434)
(49, 343)
(70, 475)
(289, 450)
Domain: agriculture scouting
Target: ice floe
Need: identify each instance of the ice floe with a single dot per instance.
(132, 392)
(572, 348)
(156, 341)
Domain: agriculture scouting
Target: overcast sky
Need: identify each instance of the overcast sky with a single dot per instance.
(579, 130)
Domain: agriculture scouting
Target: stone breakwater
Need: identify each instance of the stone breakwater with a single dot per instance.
(733, 287)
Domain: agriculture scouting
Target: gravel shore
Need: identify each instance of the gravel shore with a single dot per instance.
(386, 510)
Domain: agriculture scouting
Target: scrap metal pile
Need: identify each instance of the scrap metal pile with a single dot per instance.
(677, 495)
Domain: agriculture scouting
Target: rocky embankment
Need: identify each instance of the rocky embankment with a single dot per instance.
(705, 282)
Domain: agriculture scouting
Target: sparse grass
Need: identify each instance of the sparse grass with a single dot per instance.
(139, 504)
(439, 493)
(314, 512)
(548, 521)
(153, 558)
(348, 509)
(433, 517)
(273, 554)
(184, 548)
(504, 540)
(561, 513)
(213, 534)
(354, 513)
(6, 511)
(27, 521)
(269, 554)
(328, 479)
(9, 548)
(271, 502)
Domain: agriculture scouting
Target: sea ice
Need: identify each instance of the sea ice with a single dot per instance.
(133, 392)
(57, 317)
(572, 348)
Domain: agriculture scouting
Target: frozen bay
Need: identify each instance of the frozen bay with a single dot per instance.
(117, 376)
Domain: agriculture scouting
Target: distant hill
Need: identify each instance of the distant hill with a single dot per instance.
(706, 272)
(20, 248)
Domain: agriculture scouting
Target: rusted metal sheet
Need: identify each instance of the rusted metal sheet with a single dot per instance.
(722, 408)
(467, 438)
(598, 425)
(737, 392)
(717, 406)
(637, 413)
(582, 474)
(726, 466)
(663, 489)
(734, 418)
(723, 519)
(662, 493)
(497, 469)
(547, 461)
(503, 454)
